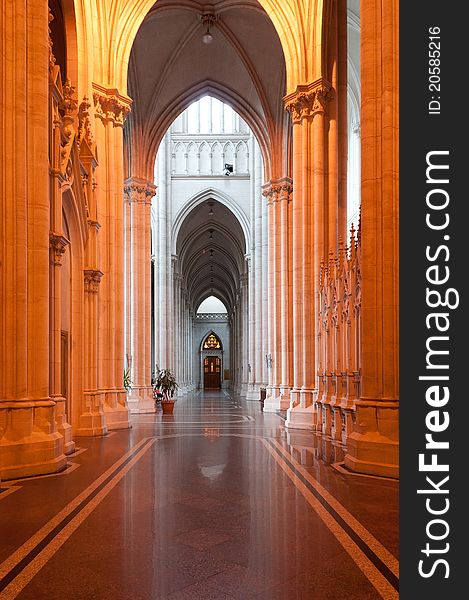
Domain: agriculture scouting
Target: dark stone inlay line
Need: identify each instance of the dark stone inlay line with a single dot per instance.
(378, 563)
(7, 579)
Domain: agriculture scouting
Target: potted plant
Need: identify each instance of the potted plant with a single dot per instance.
(166, 382)
(127, 380)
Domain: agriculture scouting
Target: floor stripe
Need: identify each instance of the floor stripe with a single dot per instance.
(22, 580)
(374, 576)
(381, 552)
(6, 490)
(35, 539)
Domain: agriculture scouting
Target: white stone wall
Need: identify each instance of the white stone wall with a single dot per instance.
(189, 167)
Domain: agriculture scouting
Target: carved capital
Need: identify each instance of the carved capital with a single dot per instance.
(139, 190)
(57, 245)
(110, 106)
(309, 100)
(92, 280)
(279, 190)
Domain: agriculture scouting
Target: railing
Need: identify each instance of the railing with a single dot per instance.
(339, 339)
(212, 317)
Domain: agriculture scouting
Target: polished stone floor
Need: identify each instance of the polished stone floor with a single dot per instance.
(217, 502)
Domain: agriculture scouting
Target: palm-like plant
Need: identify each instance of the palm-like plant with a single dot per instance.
(166, 382)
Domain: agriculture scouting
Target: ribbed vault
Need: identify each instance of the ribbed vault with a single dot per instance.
(170, 67)
(211, 251)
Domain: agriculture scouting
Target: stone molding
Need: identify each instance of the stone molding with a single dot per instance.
(110, 105)
(92, 280)
(278, 191)
(309, 100)
(139, 190)
(58, 245)
(84, 123)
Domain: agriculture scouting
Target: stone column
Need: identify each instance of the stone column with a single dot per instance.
(307, 107)
(279, 198)
(29, 441)
(111, 109)
(138, 195)
(244, 329)
(272, 390)
(373, 445)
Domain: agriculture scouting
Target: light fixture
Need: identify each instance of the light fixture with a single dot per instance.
(211, 234)
(208, 20)
(210, 212)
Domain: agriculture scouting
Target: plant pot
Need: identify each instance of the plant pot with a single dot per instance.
(167, 406)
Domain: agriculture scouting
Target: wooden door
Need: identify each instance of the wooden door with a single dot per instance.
(212, 373)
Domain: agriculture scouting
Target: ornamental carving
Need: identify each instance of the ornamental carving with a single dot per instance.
(51, 54)
(110, 105)
(309, 100)
(58, 245)
(278, 191)
(137, 190)
(92, 280)
(84, 123)
(339, 323)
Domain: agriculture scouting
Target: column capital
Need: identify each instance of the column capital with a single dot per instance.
(110, 105)
(58, 245)
(139, 190)
(278, 190)
(309, 100)
(92, 280)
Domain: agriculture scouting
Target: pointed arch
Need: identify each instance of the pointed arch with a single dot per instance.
(205, 196)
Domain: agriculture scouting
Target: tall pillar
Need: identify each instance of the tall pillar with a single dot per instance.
(373, 445)
(307, 107)
(272, 390)
(29, 441)
(244, 330)
(138, 196)
(111, 109)
(279, 194)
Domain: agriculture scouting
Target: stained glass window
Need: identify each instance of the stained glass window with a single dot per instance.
(212, 342)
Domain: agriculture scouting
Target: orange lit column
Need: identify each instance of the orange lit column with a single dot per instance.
(373, 445)
(307, 107)
(138, 194)
(29, 441)
(279, 195)
(111, 109)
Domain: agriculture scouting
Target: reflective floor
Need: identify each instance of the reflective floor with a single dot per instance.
(217, 502)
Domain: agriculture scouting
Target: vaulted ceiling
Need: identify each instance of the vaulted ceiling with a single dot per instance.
(170, 67)
(211, 250)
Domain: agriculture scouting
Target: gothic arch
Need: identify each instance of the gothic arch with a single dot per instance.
(205, 196)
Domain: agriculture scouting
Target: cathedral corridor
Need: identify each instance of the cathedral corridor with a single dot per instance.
(218, 501)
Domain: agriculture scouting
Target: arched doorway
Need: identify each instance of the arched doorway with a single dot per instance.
(212, 361)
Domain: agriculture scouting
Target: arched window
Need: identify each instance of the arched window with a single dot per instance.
(212, 342)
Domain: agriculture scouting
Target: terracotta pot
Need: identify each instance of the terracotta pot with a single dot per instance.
(167, 406)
